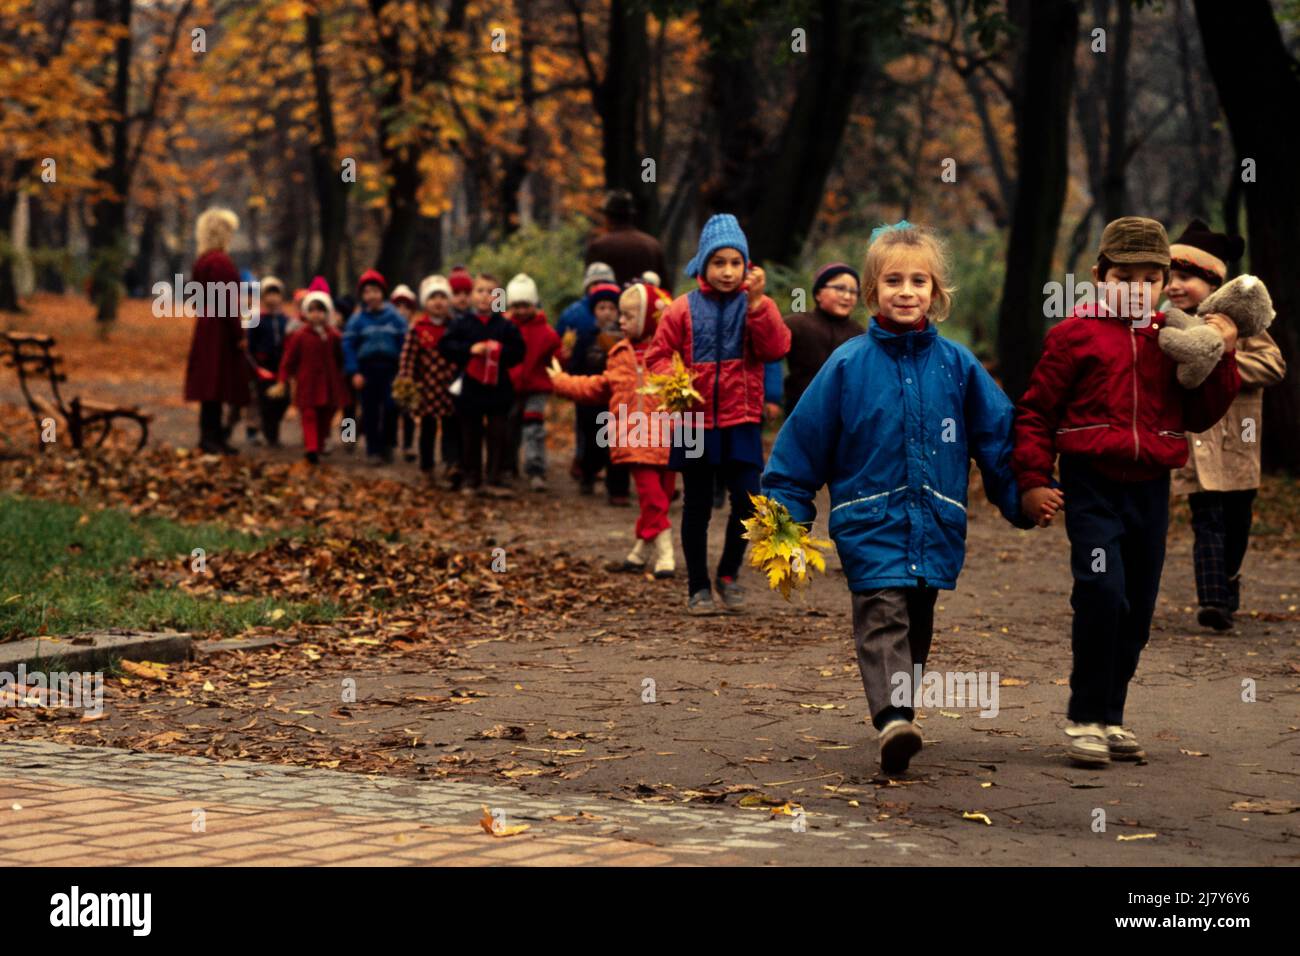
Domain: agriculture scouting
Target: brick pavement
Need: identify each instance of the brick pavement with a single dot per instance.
(91, 806)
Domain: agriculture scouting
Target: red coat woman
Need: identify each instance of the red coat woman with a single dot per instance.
(217, 370)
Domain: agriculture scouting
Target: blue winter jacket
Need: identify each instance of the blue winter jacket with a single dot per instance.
(579, 318)
(372, 335)
(890, 424)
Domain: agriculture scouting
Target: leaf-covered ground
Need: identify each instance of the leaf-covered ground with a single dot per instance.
(554, 676)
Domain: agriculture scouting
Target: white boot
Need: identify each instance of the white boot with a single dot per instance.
(665, 564)
(635, 560)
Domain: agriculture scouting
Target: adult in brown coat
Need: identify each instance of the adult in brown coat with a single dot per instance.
(629, 252)
(218, 369)
(1222, 470)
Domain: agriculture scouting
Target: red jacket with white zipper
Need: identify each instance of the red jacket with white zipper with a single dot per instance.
(1104, 389)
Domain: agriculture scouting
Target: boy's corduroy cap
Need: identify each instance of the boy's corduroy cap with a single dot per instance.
(1131, 239)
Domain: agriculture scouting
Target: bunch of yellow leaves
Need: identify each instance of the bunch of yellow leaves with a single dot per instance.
(675, 390)
(406, 393)
(782, 548)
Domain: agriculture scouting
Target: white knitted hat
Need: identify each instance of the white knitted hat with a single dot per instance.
(432, 284)
(521, 289)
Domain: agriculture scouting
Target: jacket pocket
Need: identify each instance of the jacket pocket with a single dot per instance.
(863, 510)
(948, 511)
(1080, 428)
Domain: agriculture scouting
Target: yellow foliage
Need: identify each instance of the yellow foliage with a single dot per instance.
(675, 390)
(782, 548)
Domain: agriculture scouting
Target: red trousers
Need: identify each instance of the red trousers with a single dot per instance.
(654, 490)
(315, 425)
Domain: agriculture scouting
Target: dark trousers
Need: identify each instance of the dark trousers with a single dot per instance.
(496, 431)
(892, 630)
(697, 507)
(593, 456)
(271, 411)
(408, 431)
(1221, 521)
(378, 410)
(448, 447)
(1117, 551)
(211, 430)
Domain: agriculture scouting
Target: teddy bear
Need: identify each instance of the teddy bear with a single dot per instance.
(1197, 347)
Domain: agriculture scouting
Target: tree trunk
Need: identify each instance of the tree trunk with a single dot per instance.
(1234, 34)
(1048, 31)
(327, 174)
(144, 258)
(108, 239)
(775, 187)
(8, 254)
(1114, 189)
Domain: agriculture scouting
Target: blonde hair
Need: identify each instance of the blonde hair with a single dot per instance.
(914, 238)
(215, 228)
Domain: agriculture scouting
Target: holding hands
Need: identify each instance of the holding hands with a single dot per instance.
(1040, 505)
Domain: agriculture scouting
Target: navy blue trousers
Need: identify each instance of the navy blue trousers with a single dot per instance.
(1117, 551)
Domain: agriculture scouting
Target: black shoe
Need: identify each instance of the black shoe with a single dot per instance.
(313, 457)
(1219, 618)
(731, 594)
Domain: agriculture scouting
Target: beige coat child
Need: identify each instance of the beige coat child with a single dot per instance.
(1226, 457)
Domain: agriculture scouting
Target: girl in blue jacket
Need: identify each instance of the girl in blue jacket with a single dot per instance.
(890, 424)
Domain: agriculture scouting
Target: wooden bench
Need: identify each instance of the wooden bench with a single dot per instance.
(32, 355)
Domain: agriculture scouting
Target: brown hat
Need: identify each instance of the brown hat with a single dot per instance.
(1135, 239)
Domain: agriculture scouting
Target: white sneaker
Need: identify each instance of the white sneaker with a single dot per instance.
(665, 563)
(1088, 744)
(900, 741)
(1123, 744)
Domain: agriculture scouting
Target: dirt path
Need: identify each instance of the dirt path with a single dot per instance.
(767, 707)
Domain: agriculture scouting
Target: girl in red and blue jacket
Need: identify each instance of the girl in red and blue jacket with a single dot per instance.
(725, 331)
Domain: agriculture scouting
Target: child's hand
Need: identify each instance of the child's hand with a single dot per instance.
(1225, 327)
(276, 391)
(756, 281)
(771, 411)
(554, 370)
(1040, 505)
(358, 380)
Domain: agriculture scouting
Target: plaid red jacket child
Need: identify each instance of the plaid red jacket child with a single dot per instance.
(423, 364)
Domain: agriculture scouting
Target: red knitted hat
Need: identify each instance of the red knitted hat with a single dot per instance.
(460, 279)
(372, 275)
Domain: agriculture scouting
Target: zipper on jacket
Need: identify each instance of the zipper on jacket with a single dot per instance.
(717, 364)
(1136, 443)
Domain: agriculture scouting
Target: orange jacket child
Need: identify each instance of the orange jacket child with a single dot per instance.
(637, 431)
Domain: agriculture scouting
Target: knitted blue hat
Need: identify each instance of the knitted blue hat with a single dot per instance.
(722, 231)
